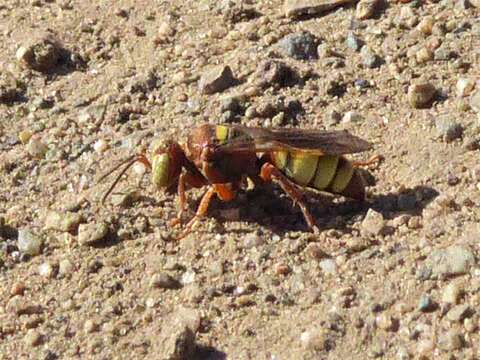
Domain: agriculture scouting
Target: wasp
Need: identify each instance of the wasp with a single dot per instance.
(223, 158)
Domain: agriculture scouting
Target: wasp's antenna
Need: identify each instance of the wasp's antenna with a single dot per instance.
(129, 162)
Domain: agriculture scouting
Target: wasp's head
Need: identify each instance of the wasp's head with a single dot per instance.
(166, 161)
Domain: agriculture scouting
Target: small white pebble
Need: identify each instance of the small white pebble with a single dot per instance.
(100, 146)
(139, 169)
(90, 326)
(352, 116)
(46, 270)
(465, 86)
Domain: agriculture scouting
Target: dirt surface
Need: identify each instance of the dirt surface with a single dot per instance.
(86, 84)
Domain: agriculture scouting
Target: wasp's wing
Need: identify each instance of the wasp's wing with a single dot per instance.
(316, 142)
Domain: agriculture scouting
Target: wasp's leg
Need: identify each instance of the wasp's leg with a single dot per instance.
(202, 210)
(182, 200)
(269, 172)
(374, 160)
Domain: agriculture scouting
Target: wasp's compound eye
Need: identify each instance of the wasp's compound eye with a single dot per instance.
(161, 170)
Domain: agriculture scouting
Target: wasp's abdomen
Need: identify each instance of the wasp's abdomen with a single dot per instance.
(330, 173)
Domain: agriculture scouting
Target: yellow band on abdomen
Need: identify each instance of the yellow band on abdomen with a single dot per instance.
(301, 167)
(326, 169)
(343, 177)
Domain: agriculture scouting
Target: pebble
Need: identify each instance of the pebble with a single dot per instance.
(352, 117)
(465, 86)
(65, 267)
(17, 288)
(273, 72)
(448, 130)
(420, 95)
(298, 8)
(426, 25)
(36, 148)
(425, 347)
(475, 3)
(369, 58)
(46, 270)
(315, 339)
(426, 304)
(24, 136)
(353, 42)
(90, 326)
(373, 223)
(459, 312)
(42, 54)
(253, 240)
(366, 9)
(328, 266)
(62, 221)
(216, 80)
(475, 101)
(300, 46)
(163, 281)
(385, 321)
(92, 233)
(454, 260)
(423, 55)
(33, 338)
(29, 242)
(100, 146)
(230, 104)
(9, 89)
(451, 340)
(282, 269)
(176, 342)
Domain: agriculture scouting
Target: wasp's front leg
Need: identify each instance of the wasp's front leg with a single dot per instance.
(182, 200)
(269, 172)
(201, 211)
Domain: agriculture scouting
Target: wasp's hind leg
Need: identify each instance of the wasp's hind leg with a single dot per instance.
(374, 160)
(269, 172)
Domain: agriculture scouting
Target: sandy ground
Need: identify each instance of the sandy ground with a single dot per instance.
(86, 84)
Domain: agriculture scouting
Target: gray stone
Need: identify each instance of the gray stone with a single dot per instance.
(454, 260)
(451, 340)
(216, 80)
(373, 224)
(475, 101)
(29, 242)
(328, 266)
(177, 337)
(459, 312)
(62, 221)
(89, 234)
(298, 8)
(164, 281)
(448, 130)
(426, 304)
(369, 58)
(42, 53)
(300, 46)
(353, 42)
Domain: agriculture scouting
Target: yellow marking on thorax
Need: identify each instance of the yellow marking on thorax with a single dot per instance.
(343, 177)
(221, 133)
(301, 167)
(326, 169)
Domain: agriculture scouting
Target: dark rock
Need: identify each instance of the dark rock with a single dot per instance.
(300, 46)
